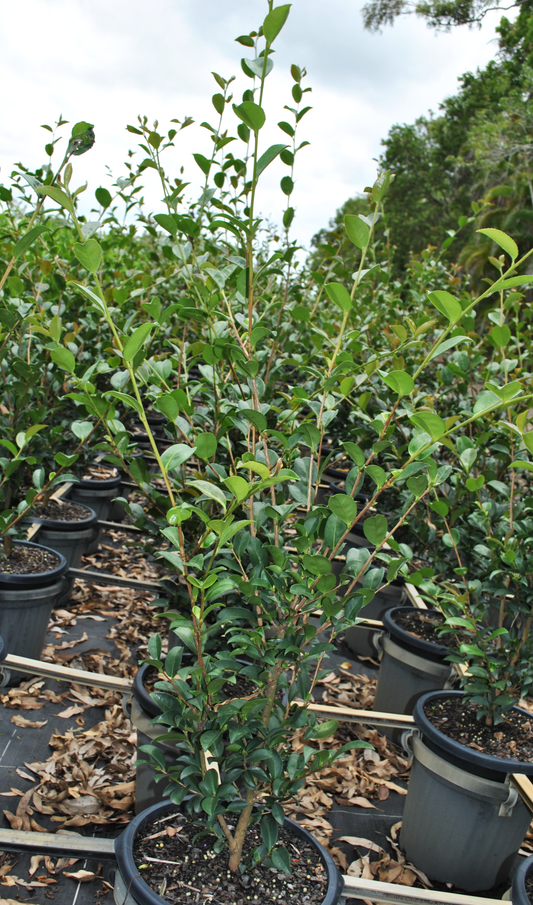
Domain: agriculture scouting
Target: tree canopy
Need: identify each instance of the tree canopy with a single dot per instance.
(442, 14)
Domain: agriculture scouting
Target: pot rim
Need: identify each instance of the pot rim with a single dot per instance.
(92, 484)
(74, 525)
(519, 895)
(19, 581)
(135, 883)
(433, 651)
(469, 756)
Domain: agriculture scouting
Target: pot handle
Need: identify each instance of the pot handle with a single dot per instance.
(377, 641)
(406, 741)
(126, 705)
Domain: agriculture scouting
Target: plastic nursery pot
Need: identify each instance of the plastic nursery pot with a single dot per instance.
(17, 581)
(96, 494)
(519, 893)
(409, 667)
(70, 538)
(99, 496)
(26, 602)
(362, 641)
(148, 791)
(463, 822)
(131, 889)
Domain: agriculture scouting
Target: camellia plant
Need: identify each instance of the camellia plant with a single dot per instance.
(253, 364)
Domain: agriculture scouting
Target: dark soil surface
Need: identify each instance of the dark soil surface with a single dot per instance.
(425, 627)
(99, 473)
(529, 886)
(511, 739)
(195, 868)
(28, 561)
(241, 688)
(62, 511)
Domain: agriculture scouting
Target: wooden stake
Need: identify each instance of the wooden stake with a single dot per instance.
(66, 673)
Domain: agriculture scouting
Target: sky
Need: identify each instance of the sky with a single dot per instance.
(106, 61)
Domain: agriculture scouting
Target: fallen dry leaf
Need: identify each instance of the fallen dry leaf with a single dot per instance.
(71, 711)
(82, 875)
(21, 721)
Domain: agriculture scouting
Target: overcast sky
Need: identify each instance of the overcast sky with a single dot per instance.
(105, 61)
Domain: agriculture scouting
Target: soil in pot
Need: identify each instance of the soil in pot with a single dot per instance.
(59, 511)
(29, 560)
(241, 688)
(529, 886)
(424, 626)
(511, 739)
(196, 870)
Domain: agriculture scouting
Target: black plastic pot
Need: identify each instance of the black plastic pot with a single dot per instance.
(362, 640)
(409, 668)
(26, 604)
(130, 888)
(519, 894)
(468, 758)
(70, 538)
(10, 581)
(98, 495)
(463, 821)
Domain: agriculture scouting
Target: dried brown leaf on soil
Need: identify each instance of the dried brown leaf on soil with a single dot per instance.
(21, 721)
(82, 875)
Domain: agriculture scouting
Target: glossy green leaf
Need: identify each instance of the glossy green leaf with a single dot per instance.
(205, 445)
(176, 455)
(268, 157)
(375, 529)
(449, 344)
(31, 236)
(238, 487)
(57, 195)
(357, 230)
(63, 358)
(401, 382)
(252, 115)
(377, 474)
(344, 507)
(135, 341)
(323, 730)
(501, 335)
(316, 564)
(89, 254)
(167, 222)
(340, 295)
(274, 21)
(485, 401)
(81, 429)
(447, 304)
(209, 490)
(355, 452)
(502, 239)
(429, 422)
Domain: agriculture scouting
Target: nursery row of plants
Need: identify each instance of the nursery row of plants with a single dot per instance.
(302, 439)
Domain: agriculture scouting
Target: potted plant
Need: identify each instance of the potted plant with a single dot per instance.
(236, 496)
(477, 737)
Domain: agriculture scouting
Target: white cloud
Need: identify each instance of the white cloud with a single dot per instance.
(106, 62)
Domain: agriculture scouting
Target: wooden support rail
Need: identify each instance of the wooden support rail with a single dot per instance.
(66, 673)
(392, 894)
(116, 581)
(61, 843)
(370, 717)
